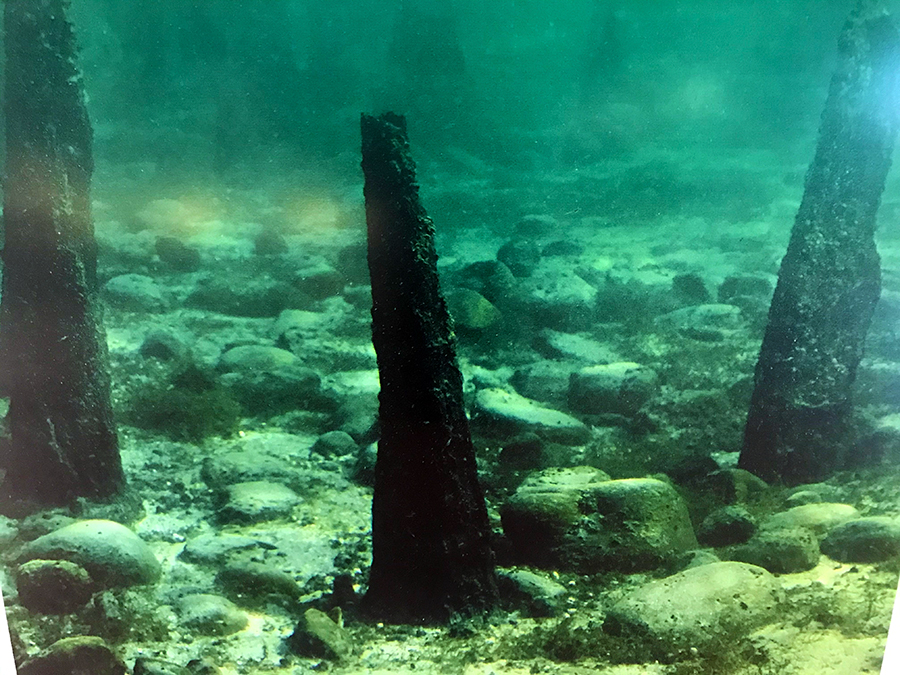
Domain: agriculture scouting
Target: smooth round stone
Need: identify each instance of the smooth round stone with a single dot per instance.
(319, 636)
(254, 358)
(819, 517)
(112, 554)
(164, 345)
(75, 656)
(786, 551)
(211, 614)
(521, 256)
(255, 583)
(699, 609)
(257, 501)
(335, 444)
(53, 586)
(726, 526)
(535, 593)
(865, 540)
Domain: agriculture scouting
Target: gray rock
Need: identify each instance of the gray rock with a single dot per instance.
(206, 614)
(696, 610)
(752, 285)
(546, 381)
(214, 549)
(177, 255)
(524, 452)
(257, 501)
(726, 526)
(319, 282)
(245, 466)
(111, 553)
(820, 518)
(8, 530)
(80, 655)
(865, 540)
(560, 300)
(164, 345)
(258, 297)
(490, 278)
(254, 584)
(614, 388)
(575, 519)
(286, 388)
(254, 358)
(782, 551)
(296, 324)
(203, 666)
(148, 666)
(521, 256)
(503, 413)
(319, 636)
(53, 586)
(135, 293)
(690, 289)
(470, 310)
(532, 593)
(707, 323)
(335, 444)
(574, 347)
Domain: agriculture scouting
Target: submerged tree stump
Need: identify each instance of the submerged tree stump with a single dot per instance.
(431, 552)
(798, 427)
(53, 357)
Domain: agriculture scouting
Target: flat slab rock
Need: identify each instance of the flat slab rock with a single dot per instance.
(257, 501)
(698, 608)
(506, 412)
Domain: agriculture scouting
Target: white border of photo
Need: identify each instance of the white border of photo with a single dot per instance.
(891, 663)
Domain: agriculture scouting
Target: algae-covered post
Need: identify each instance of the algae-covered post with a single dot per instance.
(53, 358)
(431, 552)
(799, 422)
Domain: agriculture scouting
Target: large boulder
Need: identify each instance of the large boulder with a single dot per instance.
(112, 554)
(576, 519)
(696, 610)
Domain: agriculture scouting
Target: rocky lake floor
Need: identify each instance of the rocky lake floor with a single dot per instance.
(609, 320)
